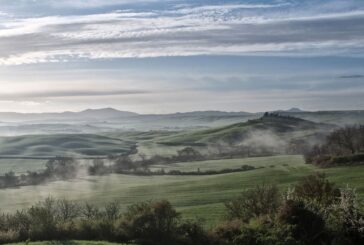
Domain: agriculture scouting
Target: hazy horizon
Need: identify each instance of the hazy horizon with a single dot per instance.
(292, 109)
(152, 56)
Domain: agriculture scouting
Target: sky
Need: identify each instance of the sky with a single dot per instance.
(163, 56)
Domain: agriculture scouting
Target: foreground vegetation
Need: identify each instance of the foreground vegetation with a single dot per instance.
(70, 242)
(314, 211)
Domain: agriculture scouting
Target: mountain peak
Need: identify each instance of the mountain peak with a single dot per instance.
(106, 112)
(106, 109)
(294, 109)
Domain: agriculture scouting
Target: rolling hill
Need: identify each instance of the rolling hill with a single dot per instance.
(94, 121)
(99, 114)
(79, 145)
(270, 133)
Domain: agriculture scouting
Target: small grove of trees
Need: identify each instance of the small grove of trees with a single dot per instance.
(342, 146)
(124, 164)
(56, 168)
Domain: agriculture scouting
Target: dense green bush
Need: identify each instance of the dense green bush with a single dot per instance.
(259, 201)
(316, 189)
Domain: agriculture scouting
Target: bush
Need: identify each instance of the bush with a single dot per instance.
(261, 200)
(226, 233)
(266, 234)
(307, 226)
(152, 223)
(349, 217)
(317, 189)
(193, 233)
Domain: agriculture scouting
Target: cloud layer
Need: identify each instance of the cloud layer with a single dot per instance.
(274, 28)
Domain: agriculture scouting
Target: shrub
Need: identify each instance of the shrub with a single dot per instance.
(90, 212)
(67, 210)
(193, 233)
(317, 189)
(151, 223)
(266, 234)
(349, 217)
(112, 211)
(9, 236)
(307, 226)
(226, 233)
(255, 202)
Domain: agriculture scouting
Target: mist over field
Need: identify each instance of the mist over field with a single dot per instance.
(159, 122)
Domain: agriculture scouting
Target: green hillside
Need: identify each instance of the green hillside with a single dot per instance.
(62, 144)
(258, 131)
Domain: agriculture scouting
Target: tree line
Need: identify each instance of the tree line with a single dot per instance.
(343, 146)
(314, 211)
(58, 168)
(63, 168)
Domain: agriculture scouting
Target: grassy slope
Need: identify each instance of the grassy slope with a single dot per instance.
(62, 144)
(194, 196)
(66, 243)
(287, 128)
(282, 129)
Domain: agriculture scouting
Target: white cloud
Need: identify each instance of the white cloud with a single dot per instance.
(183, 31)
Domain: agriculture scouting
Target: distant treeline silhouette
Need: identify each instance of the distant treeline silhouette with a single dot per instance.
(148, 172)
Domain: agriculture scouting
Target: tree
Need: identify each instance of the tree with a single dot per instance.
(61, 167)
(188, 153)
(10, 179)
(98, 167)
(112, 210)
(90, 211)
(67, 210)
(123, 163)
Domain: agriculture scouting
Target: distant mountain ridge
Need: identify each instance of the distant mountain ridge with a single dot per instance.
(131, 120)
(103, 113)
(293, 109)
(107, 113)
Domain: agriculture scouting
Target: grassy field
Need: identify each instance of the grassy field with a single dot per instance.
(195, 196)
(21, 166)
(66, 243)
